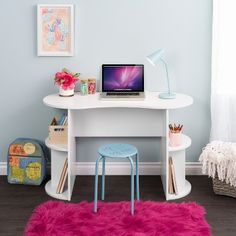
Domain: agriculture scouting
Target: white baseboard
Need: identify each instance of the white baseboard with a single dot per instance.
(122, 168)
(3, 168)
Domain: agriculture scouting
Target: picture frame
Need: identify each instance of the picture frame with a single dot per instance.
(55, 30)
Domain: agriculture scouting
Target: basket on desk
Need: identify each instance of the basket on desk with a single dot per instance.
(58, 134)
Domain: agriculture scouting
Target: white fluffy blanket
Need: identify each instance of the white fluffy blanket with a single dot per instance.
(220, 158)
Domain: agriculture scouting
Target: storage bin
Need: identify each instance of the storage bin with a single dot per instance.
(222, 188)
(219, 159)
(26, 162)
(58, 134)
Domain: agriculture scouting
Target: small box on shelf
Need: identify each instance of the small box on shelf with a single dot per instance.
(58, 134)
(58, 130)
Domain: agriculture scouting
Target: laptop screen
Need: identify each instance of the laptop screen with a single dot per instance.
(120, 78)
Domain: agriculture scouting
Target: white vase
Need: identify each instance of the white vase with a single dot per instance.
(66, 92)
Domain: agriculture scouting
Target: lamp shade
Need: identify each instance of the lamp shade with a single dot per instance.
(155, 56)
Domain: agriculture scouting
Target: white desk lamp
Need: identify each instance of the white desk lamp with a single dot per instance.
(154, 59)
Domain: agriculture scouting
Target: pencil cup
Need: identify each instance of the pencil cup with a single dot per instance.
(175, 139)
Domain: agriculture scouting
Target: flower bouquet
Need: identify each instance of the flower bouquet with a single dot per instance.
(66, 80)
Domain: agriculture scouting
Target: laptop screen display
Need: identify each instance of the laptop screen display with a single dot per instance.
(118, 78)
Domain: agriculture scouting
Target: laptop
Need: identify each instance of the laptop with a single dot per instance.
(122, 81)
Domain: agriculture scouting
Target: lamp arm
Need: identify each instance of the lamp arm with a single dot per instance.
(167, 74)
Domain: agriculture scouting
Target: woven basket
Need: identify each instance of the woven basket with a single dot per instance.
(221, 188)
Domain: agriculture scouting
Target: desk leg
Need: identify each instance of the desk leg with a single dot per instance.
(164, 152)
(71, 153)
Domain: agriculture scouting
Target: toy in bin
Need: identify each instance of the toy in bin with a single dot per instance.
(26, 162)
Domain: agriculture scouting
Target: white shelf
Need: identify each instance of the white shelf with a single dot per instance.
(186, 143)
(57, 147)
(183, 193)
(51, 191)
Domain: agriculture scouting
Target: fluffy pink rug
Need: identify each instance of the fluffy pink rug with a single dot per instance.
(56, 218)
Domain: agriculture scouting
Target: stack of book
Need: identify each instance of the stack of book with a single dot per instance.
(172, 178)
(63, 177)
(63, 120)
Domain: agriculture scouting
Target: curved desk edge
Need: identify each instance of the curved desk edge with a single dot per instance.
(152, 101)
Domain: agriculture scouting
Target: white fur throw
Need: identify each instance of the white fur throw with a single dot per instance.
(220, 158)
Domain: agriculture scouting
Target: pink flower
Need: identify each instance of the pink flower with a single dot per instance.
(60, 75)
(66, 80)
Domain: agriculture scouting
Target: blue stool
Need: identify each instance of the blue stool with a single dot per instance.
(117, 150)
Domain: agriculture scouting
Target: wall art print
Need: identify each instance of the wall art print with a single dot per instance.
(55, 30)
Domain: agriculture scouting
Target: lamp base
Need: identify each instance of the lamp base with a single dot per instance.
(167, 95)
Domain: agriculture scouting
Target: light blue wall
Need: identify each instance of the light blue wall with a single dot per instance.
(107, 31)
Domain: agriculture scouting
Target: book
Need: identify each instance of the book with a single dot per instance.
(173, 176)
(170, 189)
(63, 172)
(54, 121)
(65, 122)
(61, 120)
(64, 179)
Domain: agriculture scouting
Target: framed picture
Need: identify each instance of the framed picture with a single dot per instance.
(55, 24)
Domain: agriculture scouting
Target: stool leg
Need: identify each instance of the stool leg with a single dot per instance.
(103, 178)
(96, 184)
(132, 185)
(137, 177)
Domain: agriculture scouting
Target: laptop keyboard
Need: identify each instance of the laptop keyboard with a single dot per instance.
(123, 94)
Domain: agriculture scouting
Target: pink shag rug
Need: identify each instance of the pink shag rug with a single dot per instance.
(56, 218)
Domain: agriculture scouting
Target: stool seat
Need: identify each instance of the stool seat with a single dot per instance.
(117, 150)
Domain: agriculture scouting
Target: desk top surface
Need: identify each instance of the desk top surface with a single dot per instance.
(151, 101)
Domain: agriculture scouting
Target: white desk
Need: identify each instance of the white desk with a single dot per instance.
(88, 116)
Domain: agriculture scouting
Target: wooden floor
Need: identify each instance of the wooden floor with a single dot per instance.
(18, 201)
